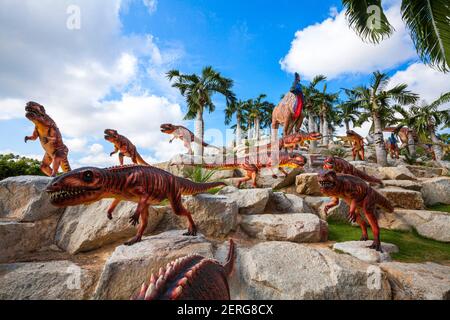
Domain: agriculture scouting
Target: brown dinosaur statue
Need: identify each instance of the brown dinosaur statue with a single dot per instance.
(296, 139)
(185, 135)
(392, 149)
(403, 135)
(357, 143)
(124, 146)
(252, 164)
(190, 278)
(142, 184)
(48, 133)
(342, 166)
(289, 112)
(359, 196)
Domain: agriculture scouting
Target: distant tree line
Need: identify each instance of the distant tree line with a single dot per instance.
(13, 165)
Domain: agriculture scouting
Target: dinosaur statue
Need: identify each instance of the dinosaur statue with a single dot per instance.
(293, 140)
(142, 184)
(359, 196)
(289, 112)
(392, 148)
(357, 143)
(185, 135)
(342, 166)
(124, 146)
(252, 164)
(45, 129)
(190, 278)
(403, 135)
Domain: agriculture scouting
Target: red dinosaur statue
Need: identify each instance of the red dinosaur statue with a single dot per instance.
(252, 164)
(185, 135)
(392, 149)
(357, 143)
(403, 135)
(293, 140)
(48, 133)
(359, 196)
(124, 146)
(142, 184)
(190, 278)
(342, 166)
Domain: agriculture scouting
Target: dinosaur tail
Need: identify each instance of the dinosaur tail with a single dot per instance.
(204, 144)
(65, 166)
(229, 264)
(383, 202)
(189, 187)
(140, 160)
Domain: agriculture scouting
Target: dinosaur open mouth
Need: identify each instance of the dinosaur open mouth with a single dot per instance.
(326, 184)
(59, 197)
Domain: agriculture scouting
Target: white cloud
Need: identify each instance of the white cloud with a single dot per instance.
(333, 49)
(151, 5)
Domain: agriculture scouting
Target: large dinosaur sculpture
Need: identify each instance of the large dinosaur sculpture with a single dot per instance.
(124, 146)
(190, 278)
(48, 133)
(342, 166)
(359, 196)
(142, 184)
(289, 112)
(185, 135)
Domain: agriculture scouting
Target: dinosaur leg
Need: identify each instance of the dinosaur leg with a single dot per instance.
(360, 221)
(180, 210)
(254, 176)
(121, 156)
(361, 154)
(45, 164)
(333, 203)
(142, 213)
(369, 212)
(248, 177)
(352, 212)
(354, 154)
(112, 208)
(58, 158)
(283, 171)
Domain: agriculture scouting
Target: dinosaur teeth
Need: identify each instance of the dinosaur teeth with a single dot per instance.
(177, 292)
(152, 278)
(149, 292)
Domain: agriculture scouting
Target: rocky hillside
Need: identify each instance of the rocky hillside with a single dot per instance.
(283, 250)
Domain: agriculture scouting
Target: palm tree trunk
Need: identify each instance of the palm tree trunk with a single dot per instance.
(436, 144)
(257, 129)
(199, 133)
(326, 138)
(347, 126)
(411, 144)
(321, 126)
(238, 131)
(312, 128)
(380, 149)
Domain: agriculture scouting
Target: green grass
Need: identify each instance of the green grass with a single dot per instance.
(413, 247)
(440, 207)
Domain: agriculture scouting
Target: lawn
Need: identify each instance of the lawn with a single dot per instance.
(440, 207)
(413, 247)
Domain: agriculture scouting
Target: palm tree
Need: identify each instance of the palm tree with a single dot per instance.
(427, 118)
(198, 92)
(348, 111)
(239, 108)
(375, 100)
(427, 21)
(259, 111)
(406, 120)
(325, 103)
(310, 93)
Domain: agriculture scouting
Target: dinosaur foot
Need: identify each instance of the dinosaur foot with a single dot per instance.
(377, 246)
(364, 238)
(109, 215)
(134, 220)
(133, 241)
(190, 233)
(275, 176)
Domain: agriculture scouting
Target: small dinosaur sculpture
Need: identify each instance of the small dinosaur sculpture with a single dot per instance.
(190, 278)
(142, 184)
(124, 146)
(48, 133)
(392, 148)
(357, 143)
(185, 135)
(342, 166)
(359, 196)
(293, 140)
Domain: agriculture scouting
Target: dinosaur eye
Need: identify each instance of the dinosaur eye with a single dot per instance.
(88, 176)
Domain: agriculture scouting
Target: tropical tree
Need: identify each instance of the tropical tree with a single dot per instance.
(259, 113)
(348, 111)
(310, 93)
(239, 109)
(427, 21)
(13, 165)
(427, 119)
(407, 121)
(198, 91)
(375, 101)
(325, 102)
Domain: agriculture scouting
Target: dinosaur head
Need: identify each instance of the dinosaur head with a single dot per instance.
(111, 135)
(314, 136)
(329, 163)
(36, 113)
(293, 161)
(80, 186)
(168, 128)
(327, 180)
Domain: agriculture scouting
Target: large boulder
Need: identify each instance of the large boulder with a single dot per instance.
(298, 227)
(436, 190)
(307, 184)
(372, 170)
(361, 250)
(425, 172)
(418, 281)
(430, 224)
(56, 280)
(128, 267)
(316, 203)
(86, 227)
(21, 238)
(280, 202)
(405, 184)
(402, 198)
(24, 199)
(249, 201)
(338, 213)
(214, 215)
(286, 270)
(397, 173)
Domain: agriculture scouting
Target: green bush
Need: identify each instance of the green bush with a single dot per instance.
(12, 166)
(336, 152)
(198, 174)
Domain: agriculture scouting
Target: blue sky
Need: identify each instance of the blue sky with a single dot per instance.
(110, 71)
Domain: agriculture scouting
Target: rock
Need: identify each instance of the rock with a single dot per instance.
(86, 227)
(397, 173)
(418, 281)
(297, 227)
(24, 199)
(249, 201)
(430, 224)
(403, 198)
(128, 267)
(436, 190)
(286, 270)
(308, 184)
(405, 184)
(338, 213)
(280, 202)
(425, 172)
(361, 250)
(56, 280)
(21, 238)
(315, 203)
(214, 215)
(372, 170)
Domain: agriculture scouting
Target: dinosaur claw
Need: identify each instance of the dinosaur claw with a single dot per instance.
(109, 215)
(133, 241)
(376, 246)
(134, 220)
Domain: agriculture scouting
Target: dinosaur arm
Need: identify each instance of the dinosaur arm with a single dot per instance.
(114, 152)
(333, 203)
(33, 137)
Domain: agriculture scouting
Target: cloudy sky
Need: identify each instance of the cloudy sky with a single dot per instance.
(106, 69)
